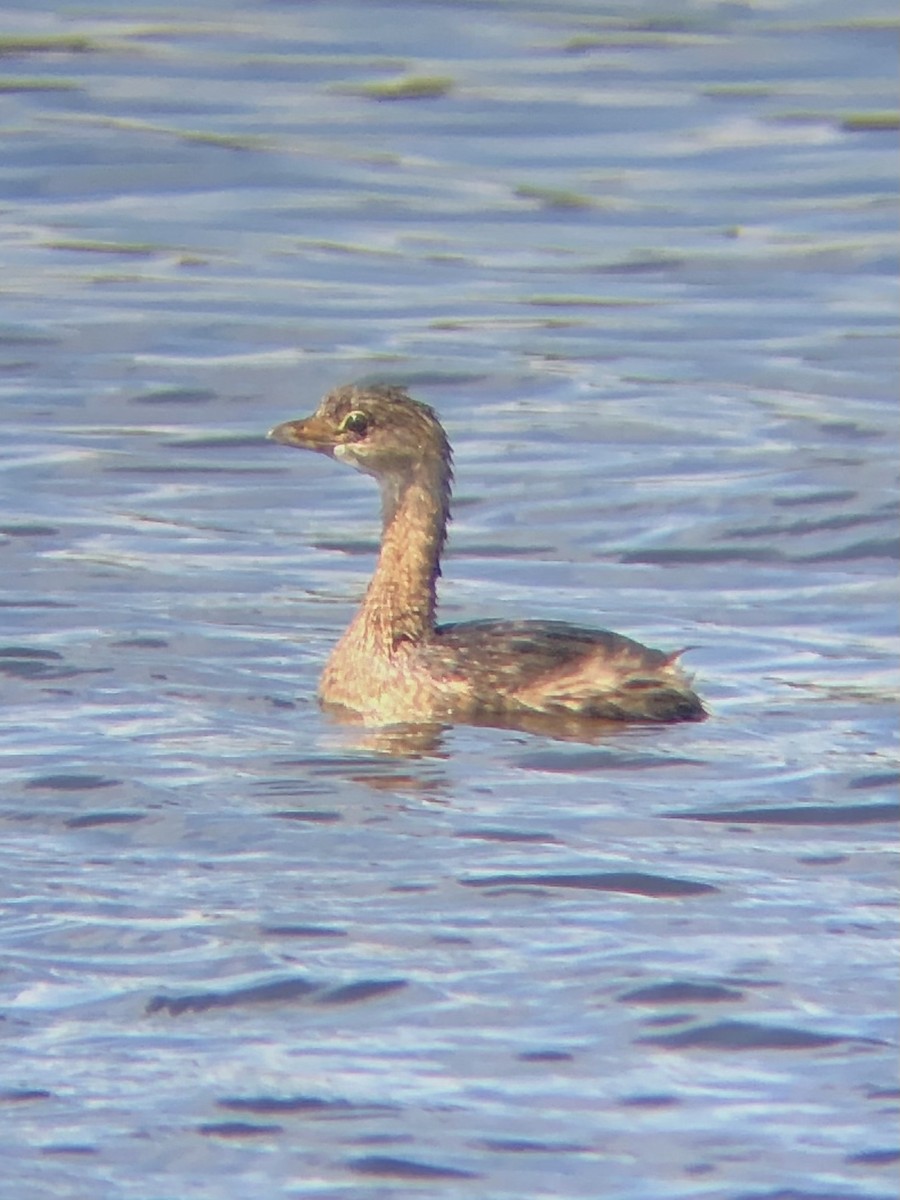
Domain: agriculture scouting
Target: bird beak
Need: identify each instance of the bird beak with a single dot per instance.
(311, 433)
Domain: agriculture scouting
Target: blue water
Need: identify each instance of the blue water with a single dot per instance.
(643, 261)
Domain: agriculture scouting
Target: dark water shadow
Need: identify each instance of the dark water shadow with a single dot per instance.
(388, 1167)
(277, 991)
(800, 814)
(635, 883)
(747, 1035)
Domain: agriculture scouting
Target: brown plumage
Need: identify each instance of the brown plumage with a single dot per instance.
(394, 664)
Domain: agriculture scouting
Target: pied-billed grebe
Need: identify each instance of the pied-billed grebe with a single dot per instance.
(394, 664)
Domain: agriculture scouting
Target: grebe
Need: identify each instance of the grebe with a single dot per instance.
(395, 665)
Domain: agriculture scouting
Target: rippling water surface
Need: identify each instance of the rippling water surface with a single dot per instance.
(641, 258)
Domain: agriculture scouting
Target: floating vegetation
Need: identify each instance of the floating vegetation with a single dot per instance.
(500, 323)
(588, 302)
(584, 43)
(331, 246)
(13, 84)
(412, 87)
(874, 122)
(554, 197)
(51, 43)
(228, 141)
(88, 246)
(863, 25)
(886, 121)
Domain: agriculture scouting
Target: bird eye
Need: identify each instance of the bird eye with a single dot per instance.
(354, 422)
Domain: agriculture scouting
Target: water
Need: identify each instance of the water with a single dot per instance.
(642, 261)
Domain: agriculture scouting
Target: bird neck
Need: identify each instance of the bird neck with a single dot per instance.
(399, 605)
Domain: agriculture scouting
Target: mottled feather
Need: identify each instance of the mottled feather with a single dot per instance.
(394, 664)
